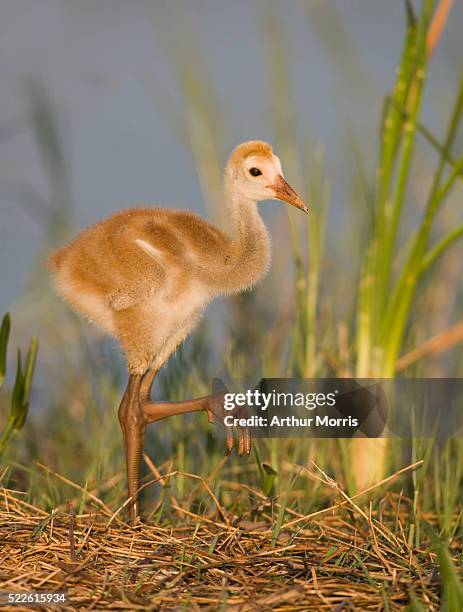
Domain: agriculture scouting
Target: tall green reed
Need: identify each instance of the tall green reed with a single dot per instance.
(388, 284)
(385, 301)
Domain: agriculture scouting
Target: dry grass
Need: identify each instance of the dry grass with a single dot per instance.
(348, 558)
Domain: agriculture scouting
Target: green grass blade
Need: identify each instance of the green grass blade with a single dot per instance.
(451, 585)
(435, 144)
(280, 518)
(414, 604)
(17, 398)
(440, 248)
(4, 335)
(31, 360)
(414, 99)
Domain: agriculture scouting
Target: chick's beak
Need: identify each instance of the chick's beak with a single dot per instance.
(284, 191)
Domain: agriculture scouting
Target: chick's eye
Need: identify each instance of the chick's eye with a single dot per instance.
(255, 172)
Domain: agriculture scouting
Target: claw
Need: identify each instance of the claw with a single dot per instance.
(248, 442)
(230, 441)
(241, 443)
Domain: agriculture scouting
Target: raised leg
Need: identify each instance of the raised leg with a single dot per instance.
(133, 425)
(213, 405)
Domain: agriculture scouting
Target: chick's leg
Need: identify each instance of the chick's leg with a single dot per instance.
(133, 422)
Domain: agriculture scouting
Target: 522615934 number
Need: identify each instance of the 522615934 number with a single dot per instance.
(32, 599)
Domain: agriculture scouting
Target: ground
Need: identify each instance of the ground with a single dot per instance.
(341, 558)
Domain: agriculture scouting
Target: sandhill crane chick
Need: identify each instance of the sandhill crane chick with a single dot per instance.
(145, 276)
